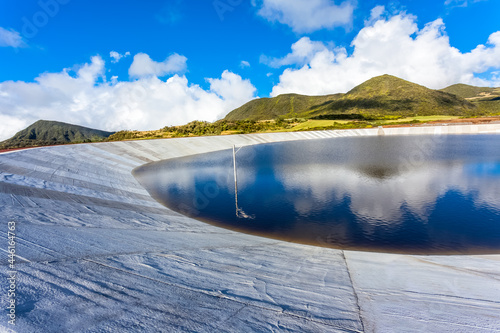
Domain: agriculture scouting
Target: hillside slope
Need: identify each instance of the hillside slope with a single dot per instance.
(389, 95)
(44, 132)
(472, 92)
(282, 105)
(486, 99)
(379, 96)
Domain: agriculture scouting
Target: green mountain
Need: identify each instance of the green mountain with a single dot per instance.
(471, 92)
(486, 99)
(384, 95)
(282, 105)
(44, 132)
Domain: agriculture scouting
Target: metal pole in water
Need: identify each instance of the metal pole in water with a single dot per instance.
(235, 180)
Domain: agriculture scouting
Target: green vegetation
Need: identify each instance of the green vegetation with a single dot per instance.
(389, 95)
(280, 124)
(378, 98)
(420, 119)
(466, 91)
(485, 99)
(312, 124)
(317, 124)
(491, 107)
(199, 128)
(288, 106)
(44, 133)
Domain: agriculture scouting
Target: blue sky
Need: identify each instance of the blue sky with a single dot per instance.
(181, 60)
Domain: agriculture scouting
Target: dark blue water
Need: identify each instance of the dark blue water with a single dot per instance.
(402, 194)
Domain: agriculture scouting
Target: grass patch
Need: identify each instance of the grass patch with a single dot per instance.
(321, 124)
(312, 124)
(419, 119)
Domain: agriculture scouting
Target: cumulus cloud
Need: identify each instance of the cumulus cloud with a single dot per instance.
(244, 64)
(232, 89)
(394, 46)
(11, 38)
(117, 56)
(307, 15)
(86, 98)
(375, 14)
(143, 65)
(303, 52)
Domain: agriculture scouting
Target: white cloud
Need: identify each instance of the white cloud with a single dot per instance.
(232, 89)
(375, 14)
(117, 56)
(244, 64)
(381, 200)
(302, 53)
(460, 3)
(10, 124)
(307, 15)
(85, 98)
(143, 65)
(11, 38)
(388, 46)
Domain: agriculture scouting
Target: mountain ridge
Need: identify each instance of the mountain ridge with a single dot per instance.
(47, 132)
(384, 95)
(472, 92)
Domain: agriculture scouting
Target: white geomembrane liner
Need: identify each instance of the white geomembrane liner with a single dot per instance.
(97, 254)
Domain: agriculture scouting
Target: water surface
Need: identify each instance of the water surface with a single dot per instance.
(402, 194)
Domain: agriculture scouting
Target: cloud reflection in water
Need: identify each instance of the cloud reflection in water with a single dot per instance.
(397, 194)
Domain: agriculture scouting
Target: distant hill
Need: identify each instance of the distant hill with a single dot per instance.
(472, 92)
(486, 99)
(380, 96)
(44, 132)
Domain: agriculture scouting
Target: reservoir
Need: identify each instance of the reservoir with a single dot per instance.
(399, 194)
